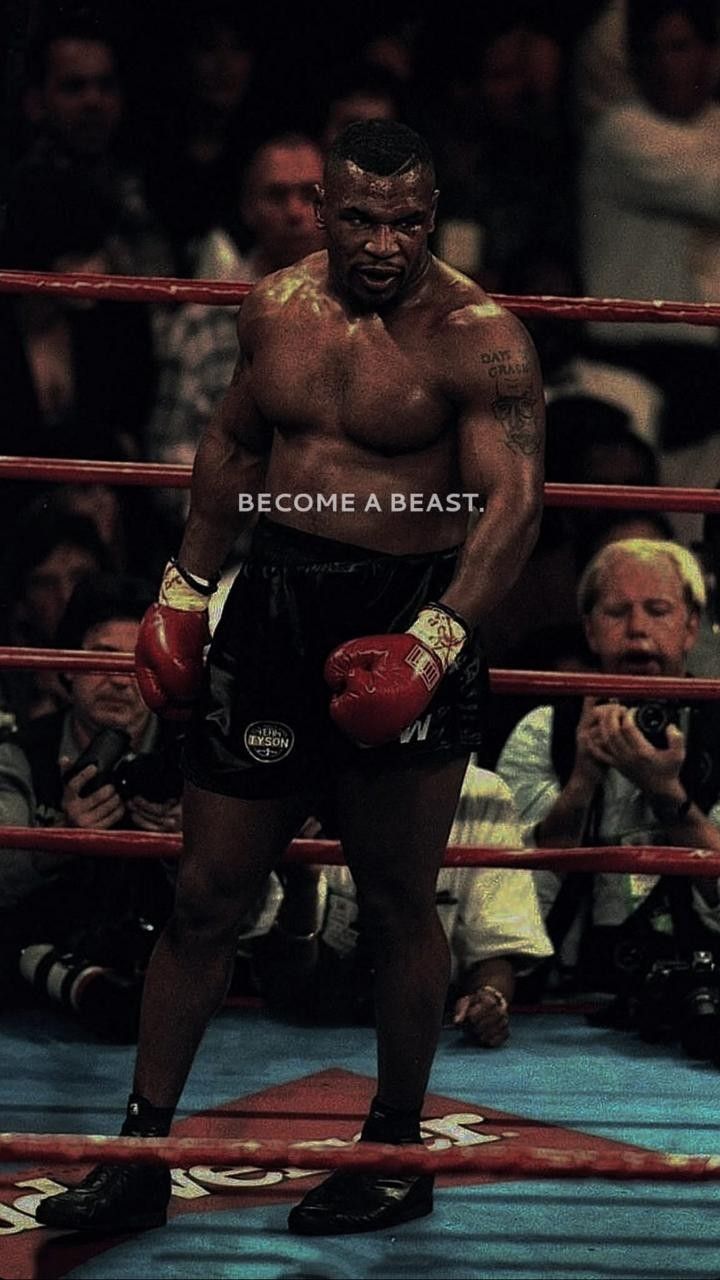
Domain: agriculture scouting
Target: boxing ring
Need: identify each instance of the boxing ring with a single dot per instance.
(574, 1151)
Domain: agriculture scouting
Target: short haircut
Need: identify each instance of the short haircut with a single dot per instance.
(285, 141)
(386, 148)
(199, 23)
(100, 598)
(37, 534)
(84, 25)
(644, 17)
(648, 551)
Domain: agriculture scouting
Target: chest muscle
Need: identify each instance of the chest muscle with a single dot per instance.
(356, 382)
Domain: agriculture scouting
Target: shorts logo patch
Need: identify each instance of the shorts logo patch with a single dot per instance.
(268, 741)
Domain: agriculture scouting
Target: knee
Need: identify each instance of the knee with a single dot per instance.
(204, 912)
(391, 907)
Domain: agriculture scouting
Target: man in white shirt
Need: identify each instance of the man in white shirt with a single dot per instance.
(650, 210)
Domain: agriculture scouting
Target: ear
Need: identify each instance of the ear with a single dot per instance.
(320, 207)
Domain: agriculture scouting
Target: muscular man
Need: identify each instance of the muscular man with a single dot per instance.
(374, 385)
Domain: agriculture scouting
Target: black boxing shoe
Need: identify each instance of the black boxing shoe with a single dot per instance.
(112, 1198)
(349, 1202)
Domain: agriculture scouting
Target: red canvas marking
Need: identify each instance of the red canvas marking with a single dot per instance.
(327, 1105)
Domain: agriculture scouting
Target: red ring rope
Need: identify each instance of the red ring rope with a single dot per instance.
(529, 1161)
(231, 292)
(179, 476)
(648, 859)
(550, 683)
(80, 471)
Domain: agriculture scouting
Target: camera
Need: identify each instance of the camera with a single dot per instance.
(107, 1002)
(680, 1000)
(154, 775)
(653, 718)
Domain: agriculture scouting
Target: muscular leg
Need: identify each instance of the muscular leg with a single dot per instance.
(394, 829)
(229, 848)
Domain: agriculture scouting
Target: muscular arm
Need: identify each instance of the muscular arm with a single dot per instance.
(501, 441)
(657, 774)
(231, 458)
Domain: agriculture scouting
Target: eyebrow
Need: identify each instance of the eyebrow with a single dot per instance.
(280, 188)
(614, 601)
(358, 211)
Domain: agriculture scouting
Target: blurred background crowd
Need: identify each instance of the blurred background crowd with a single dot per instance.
(578, 152)
(577, 146)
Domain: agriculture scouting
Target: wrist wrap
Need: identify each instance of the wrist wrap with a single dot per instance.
(442, 630)
(183, 590)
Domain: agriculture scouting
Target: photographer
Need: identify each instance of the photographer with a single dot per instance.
(104, 763)
(597, 771)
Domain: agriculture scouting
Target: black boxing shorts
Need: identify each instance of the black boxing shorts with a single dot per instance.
(262, 726)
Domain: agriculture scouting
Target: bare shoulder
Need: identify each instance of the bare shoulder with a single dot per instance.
(481, 340)
(489, 368)
(297, 286)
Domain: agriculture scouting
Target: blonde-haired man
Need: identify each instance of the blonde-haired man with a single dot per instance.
(609, 773)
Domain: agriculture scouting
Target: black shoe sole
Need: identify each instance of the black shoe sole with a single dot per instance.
(134, 1222)
(322, 1225)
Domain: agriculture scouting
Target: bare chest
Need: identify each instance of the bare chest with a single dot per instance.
(356, 380)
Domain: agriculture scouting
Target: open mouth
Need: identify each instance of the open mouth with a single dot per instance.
(643, 663)
(377, 278)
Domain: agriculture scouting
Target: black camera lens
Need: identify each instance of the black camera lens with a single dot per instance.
(652, 719)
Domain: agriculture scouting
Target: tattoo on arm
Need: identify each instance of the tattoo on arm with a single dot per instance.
(515, 408)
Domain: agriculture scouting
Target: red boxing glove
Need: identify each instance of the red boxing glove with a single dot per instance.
(383, 683)
(170, 643)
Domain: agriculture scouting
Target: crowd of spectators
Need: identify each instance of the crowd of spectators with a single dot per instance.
(187, 139)
(578, 152)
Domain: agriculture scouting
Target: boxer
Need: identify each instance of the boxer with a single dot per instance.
(347, 666)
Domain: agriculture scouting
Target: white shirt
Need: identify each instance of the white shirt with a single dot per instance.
(484, 911)
(650, 215)
(625, 818)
